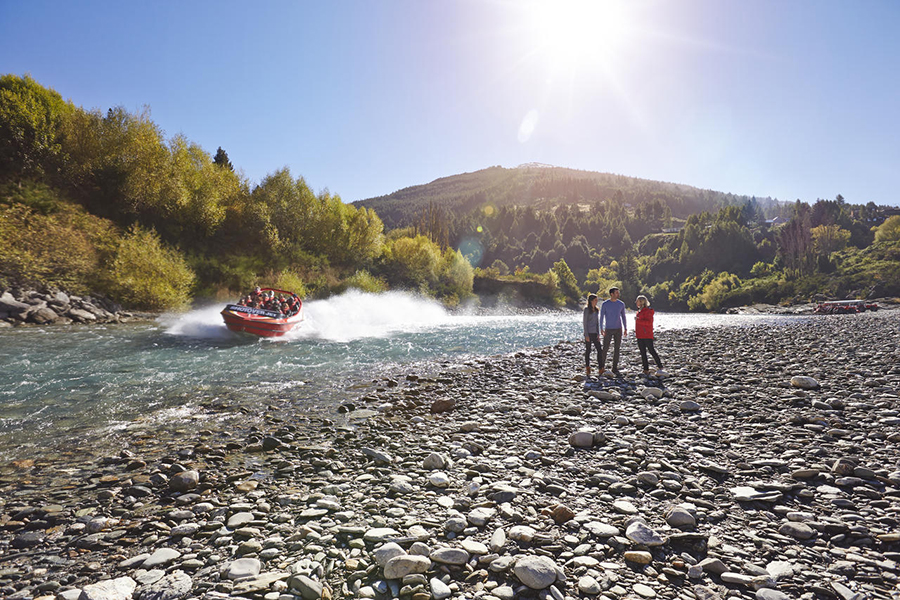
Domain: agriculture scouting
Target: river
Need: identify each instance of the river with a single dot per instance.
(63, 385)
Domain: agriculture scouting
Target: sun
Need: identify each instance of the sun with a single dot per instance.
(580, 34)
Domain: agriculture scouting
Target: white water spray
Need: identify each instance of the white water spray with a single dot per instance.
(355, 315)
(205, 323)
(351, 316)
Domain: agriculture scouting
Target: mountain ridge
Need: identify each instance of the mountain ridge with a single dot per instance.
(544, 187)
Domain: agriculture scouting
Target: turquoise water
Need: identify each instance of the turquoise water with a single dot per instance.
(61, 385)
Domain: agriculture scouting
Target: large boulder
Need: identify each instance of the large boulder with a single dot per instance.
(43, 315)
(12, 306)
(81, 316)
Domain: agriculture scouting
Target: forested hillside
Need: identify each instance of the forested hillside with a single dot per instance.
(101, 201)
(691, 249)
(545, 187)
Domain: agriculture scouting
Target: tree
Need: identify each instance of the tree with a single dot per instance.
(147, 274)
(795, 242)
(500, 267)
(221, 159)
(715, 292)
(829, 238)
(628, 276)
(455, 276)
(412, 262)
(32, 120)
(568, 285)
(889, 231)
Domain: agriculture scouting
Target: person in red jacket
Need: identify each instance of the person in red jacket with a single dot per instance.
(643, 330)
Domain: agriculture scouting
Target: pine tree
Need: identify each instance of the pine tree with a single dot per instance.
(221, 159)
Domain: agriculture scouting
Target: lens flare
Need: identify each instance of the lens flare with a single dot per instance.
(472, 249)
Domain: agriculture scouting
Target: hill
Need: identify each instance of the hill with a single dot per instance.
(102, 202)
(543, 187)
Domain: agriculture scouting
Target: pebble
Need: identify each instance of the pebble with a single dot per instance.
(680, 518)
(537, 572)
(728, 479)
(639, 533)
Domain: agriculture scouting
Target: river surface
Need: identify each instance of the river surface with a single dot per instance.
(64, 385)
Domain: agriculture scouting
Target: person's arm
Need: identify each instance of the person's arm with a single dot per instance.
(600, 318)
(584, 320)
(624, 320)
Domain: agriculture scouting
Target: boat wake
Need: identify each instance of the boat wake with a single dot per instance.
(351, 316)
(204, 323)
(357, 315)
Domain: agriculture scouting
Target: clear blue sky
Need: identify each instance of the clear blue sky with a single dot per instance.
(788, 99)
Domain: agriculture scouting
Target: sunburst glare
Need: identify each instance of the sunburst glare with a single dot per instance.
(580, 34)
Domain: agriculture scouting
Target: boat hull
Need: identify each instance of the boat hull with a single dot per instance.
(240, 320)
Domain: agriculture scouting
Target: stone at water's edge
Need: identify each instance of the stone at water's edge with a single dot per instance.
(410, 504)
(184, 481)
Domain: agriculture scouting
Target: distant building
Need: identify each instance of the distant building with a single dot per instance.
(675, 229)
(775, 222)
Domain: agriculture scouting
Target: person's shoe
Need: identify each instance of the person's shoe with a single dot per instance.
(606, 373)
(616, 373)
(587, 372)
(646, 372)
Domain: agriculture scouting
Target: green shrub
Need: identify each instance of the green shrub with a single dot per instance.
(45, 241)
(761, 269)
(455, 276)
(715, 292)
(145, 274)
(412, 262)
(500, 267)
(364, 281)
(889, 231)
(291, 282)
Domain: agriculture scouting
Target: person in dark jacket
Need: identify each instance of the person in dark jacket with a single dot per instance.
(643, 331)
(591, 320)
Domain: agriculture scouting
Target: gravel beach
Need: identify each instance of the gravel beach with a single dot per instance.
(765, 465)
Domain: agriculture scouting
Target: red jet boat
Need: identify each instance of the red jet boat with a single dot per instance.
(260, 321)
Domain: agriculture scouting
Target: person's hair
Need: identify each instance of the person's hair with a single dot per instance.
(644, 298)
(613, 289)
(591, 298)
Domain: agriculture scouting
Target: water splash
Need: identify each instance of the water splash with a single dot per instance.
(357, 315)
(350, 316)
(205, 323)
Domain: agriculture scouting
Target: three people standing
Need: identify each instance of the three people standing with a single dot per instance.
(607, 324)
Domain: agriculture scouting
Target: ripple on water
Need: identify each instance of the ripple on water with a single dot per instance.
(68, 384)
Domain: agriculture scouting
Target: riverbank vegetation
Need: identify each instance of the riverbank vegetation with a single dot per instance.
(104, 202)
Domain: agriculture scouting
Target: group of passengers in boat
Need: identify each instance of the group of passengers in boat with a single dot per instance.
(287, 306)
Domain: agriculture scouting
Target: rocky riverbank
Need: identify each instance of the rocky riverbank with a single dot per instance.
(765, 466)
(30, 307)
(803, 308)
